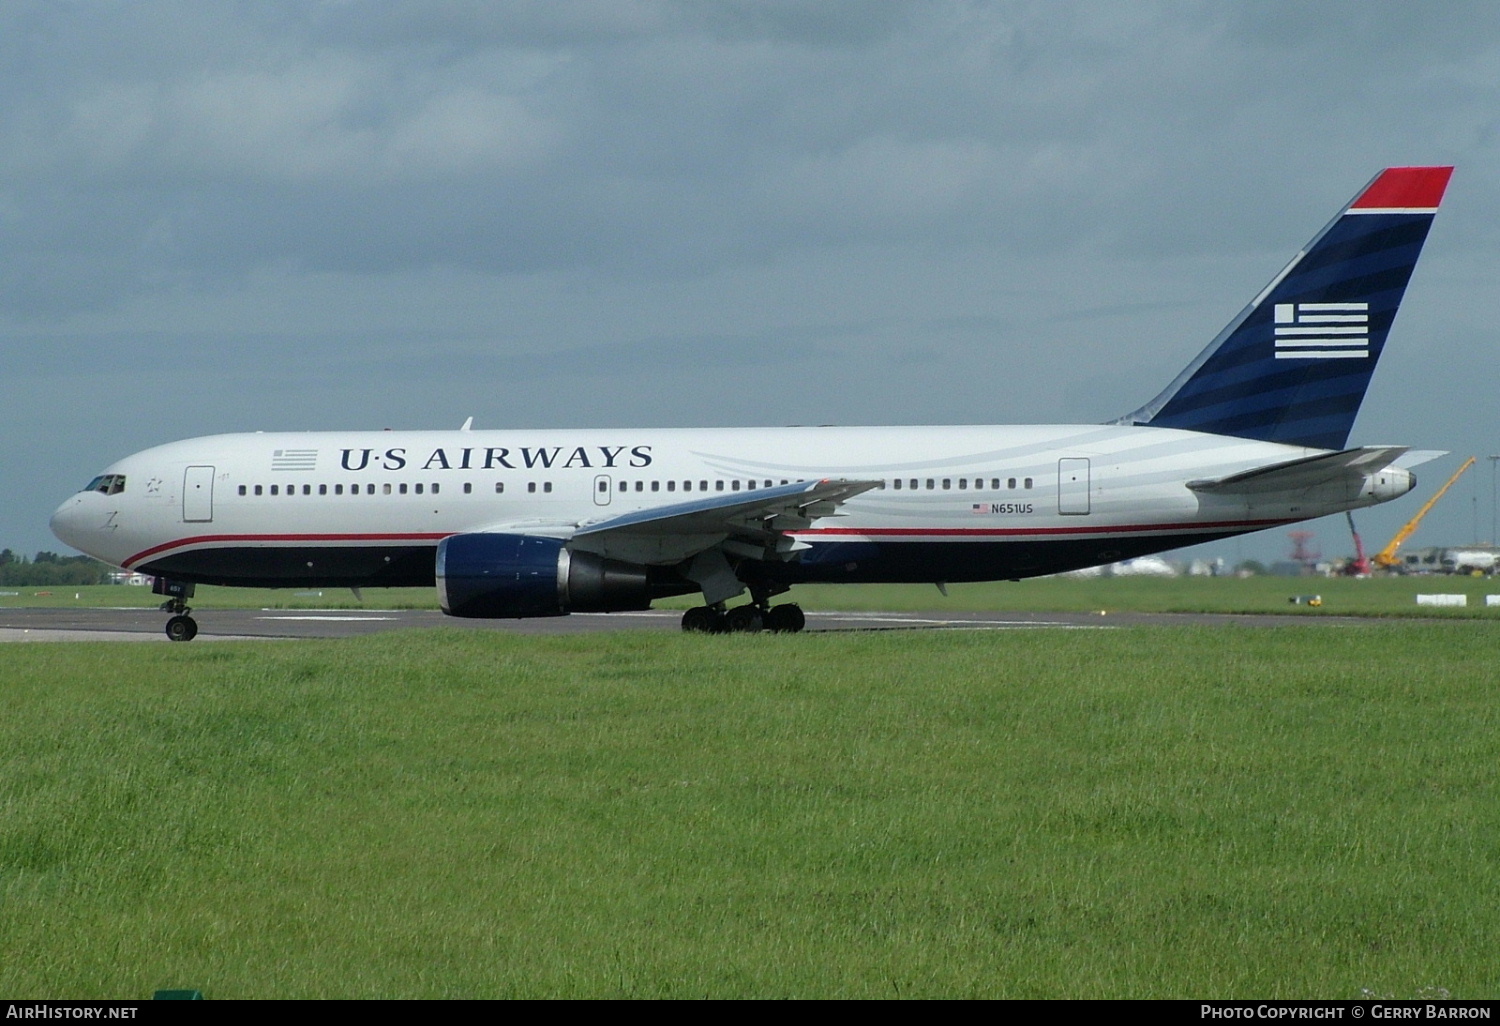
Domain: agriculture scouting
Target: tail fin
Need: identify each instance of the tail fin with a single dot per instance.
(1294, 365)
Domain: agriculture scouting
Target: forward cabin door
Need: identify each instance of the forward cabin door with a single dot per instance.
(1073, 487)
(602, 490)
(198, 495)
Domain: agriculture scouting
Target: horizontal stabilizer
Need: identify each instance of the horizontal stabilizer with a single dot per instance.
(1417, 457)
(1307, 472)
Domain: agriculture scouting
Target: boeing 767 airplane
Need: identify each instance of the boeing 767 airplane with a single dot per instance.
(1251, 435)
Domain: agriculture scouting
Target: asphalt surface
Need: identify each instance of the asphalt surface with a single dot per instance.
(242, 624)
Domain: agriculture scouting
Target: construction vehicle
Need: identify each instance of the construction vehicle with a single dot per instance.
(1360, 567)
(1386, 557)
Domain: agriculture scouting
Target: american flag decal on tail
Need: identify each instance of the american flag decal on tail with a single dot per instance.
(1322, 331)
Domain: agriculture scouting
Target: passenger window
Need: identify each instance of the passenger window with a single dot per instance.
(947, 483)
(719, 485)
(671, 486)
(307, 489)
(499, 487)
(640, 485)
(257, 489)
(531, 486)
(546, 486)
(734, 485)
(370, 488)
(897, 483)
(385, 489)
(913, 484)
(434, 487)
(402, 487)
(703, 486)
(1012, 483)
(963, 483)
(1028, 482)
(322, 489)
(931, 484)
(417, 488)
(338, 489)
(468, 487)
(274, 491)
(656, 486)
(242, 489)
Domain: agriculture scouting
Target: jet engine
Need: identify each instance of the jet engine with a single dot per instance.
(509, 576)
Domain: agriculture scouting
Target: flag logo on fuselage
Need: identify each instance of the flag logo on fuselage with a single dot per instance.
(294, 459)
(1322, 331)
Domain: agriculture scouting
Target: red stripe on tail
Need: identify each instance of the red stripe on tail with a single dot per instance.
(1405, 188)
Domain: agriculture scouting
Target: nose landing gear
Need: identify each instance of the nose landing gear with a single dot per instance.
(180, 627)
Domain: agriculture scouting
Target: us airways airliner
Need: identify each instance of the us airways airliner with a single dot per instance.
(1251, 435)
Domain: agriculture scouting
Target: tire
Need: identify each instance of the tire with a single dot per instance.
(182, 628)
(744, 619)
(701, 620)
(786, 619)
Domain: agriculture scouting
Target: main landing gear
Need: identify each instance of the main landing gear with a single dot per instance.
(180, 627)
(785, 619)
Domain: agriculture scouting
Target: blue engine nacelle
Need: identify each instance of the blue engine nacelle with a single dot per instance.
(510, 576)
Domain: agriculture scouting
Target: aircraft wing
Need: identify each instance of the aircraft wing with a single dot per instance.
(751, 524)
(1306, 472)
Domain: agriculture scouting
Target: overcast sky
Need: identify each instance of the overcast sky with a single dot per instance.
(262, 215)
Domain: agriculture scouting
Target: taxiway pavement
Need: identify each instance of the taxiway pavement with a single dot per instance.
(245, 624)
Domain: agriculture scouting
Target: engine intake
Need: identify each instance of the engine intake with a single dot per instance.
(510, 576)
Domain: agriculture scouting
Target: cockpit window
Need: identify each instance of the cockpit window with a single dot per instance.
(108, 484)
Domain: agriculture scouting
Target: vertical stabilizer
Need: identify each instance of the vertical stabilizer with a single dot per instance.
(1294, 365)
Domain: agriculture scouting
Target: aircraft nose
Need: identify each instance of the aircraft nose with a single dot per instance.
(67, 521)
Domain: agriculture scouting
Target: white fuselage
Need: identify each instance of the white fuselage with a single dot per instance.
(955, 503)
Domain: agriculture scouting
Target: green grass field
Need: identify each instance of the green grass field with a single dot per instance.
(1388, 596)
(1163, 812)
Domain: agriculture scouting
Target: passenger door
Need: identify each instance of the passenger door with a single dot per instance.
(1073, 486)
(198, 495)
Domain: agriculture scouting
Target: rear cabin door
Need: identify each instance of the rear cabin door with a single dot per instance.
(198, 495)
(1073, 486)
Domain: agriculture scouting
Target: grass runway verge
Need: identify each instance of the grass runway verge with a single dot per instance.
(1153, 812)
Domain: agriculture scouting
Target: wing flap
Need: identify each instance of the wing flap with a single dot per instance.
(754, 523)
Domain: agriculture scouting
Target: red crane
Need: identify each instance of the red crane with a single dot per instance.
(1361, 565)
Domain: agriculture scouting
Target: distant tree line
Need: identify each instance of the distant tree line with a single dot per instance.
(50, 568)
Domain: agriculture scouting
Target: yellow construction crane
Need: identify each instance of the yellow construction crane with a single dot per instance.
(1386, 557)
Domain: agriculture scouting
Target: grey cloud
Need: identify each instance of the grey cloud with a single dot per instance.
(978, 197)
